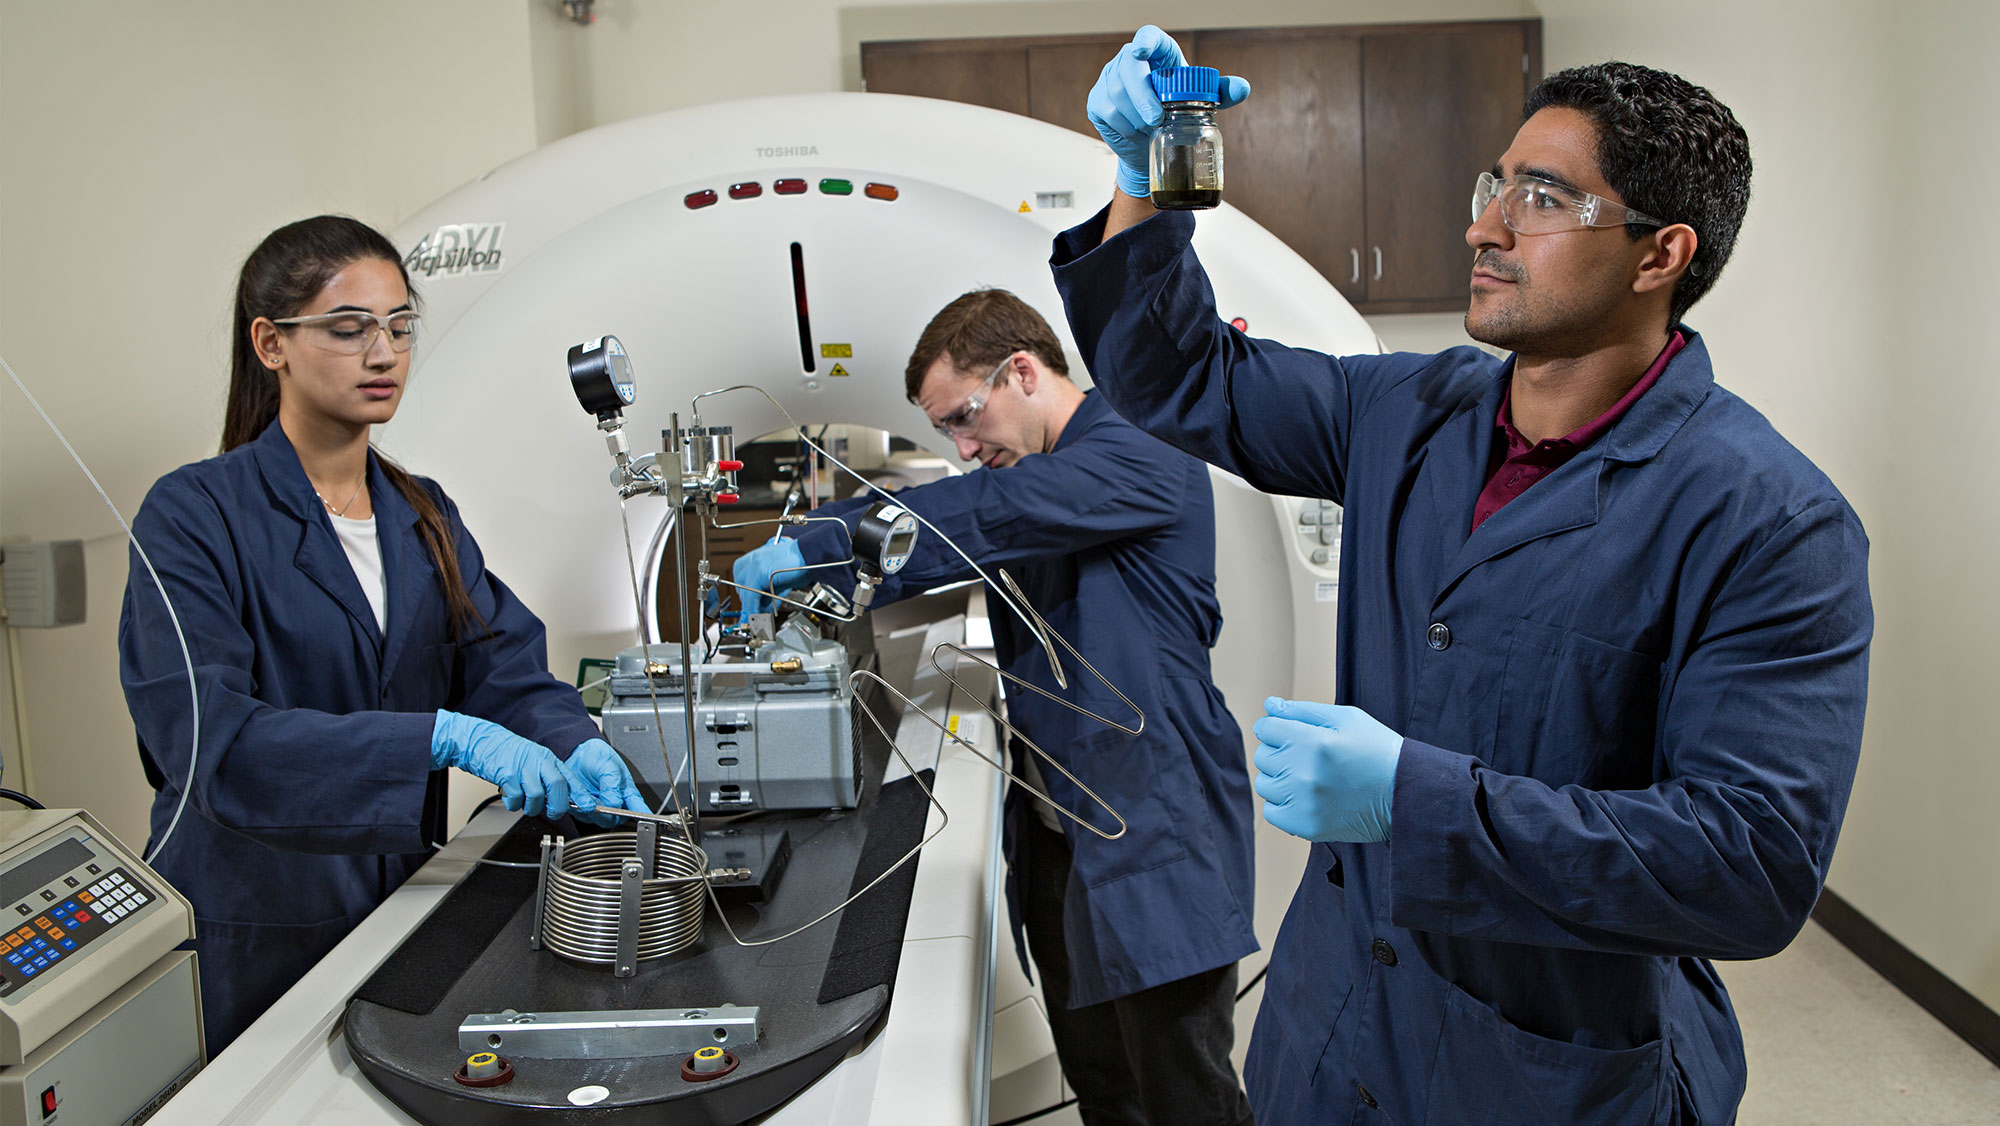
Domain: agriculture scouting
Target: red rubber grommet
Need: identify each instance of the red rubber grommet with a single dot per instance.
(729, 1062)
(505, 1074)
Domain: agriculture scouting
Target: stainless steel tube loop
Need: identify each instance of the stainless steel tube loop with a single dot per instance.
(580, 912)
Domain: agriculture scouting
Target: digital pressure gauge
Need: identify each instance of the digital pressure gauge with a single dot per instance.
(883, 540)
(601, 375)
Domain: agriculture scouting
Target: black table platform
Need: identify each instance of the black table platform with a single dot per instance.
(818, 993)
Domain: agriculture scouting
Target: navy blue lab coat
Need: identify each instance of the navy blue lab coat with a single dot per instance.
(1631, 703)
(1112, 537)
(314, 797)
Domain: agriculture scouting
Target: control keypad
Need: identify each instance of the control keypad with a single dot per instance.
(1319, 532)
(61, 929)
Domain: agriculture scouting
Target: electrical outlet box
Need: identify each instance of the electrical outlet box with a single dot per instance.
(42, 583)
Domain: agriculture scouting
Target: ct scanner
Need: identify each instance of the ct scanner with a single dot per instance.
(799, 243)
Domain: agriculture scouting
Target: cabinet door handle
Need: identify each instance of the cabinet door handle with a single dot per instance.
(1378, 263)
(1354, 256)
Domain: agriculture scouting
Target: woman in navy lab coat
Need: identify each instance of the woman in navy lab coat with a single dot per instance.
(348, 641)
(1602, 655)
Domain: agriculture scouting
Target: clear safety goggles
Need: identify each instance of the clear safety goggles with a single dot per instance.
(963, 421)
(352, 332)
(1530, 205)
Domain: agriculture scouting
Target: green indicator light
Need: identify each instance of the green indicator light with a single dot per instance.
(837, 187)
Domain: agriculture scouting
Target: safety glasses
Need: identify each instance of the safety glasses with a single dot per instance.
(963, 421)
(1530, 205)
(352, 332)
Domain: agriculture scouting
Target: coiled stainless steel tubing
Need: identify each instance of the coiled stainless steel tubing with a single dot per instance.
(580, 910)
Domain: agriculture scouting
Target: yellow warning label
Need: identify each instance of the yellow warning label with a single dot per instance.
(1024, 207)
(838, 372)
(951, 724)
(836, 351)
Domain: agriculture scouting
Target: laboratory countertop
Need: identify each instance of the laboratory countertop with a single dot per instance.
(927, 1063)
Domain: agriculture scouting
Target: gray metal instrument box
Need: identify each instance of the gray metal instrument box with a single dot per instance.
(777, 732)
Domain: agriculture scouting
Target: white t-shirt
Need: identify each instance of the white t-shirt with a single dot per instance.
(364, 551)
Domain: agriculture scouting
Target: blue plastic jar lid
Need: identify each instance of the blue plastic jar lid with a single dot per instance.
(1188, 84)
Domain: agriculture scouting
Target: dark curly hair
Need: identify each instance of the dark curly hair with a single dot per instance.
(1670, 149)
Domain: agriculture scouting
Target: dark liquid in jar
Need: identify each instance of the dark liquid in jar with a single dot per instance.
(1193, 199)
(1177, 191)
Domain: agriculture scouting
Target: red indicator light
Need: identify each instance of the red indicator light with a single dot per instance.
(749, 189)
(729, 466)
(727, 498)
(1240, 325)
(700, 199)
(880, 191)
(789, 187)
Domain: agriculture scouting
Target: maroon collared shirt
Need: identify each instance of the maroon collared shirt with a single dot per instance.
(1516, 465)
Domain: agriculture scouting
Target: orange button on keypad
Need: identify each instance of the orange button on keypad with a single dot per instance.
(55, 932)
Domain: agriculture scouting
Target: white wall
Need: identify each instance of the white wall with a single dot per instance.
(145, 147)
(1857, 316)
(1922, 840)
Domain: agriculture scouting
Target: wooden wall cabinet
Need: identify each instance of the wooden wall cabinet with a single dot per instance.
(1358, 147)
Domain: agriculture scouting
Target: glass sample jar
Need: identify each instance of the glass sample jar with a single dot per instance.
(1186, 156)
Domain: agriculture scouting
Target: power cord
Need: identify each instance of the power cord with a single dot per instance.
(16, 795)
(1042, 1113)
(1252, 983)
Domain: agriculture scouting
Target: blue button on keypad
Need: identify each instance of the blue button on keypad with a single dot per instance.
(27, 971)
(41, 944)
(70, 906)
(55, 955)
(69, 944)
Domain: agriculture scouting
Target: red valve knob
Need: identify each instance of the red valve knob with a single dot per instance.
(729, 466)
(727, 498)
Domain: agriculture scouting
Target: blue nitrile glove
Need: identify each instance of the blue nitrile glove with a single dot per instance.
(599, 777)
(529, 775)
(1125, 109)
(1326, 772)
(756, 570)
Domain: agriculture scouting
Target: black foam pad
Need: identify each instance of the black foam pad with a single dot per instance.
(868, 946)
(422, 971)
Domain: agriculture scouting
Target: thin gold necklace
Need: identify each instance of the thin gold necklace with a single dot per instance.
(342, 510)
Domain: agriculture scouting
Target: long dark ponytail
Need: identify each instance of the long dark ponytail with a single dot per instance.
(287, 269)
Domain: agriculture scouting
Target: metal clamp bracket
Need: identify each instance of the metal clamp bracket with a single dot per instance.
(631, 886)
(609, 1033)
